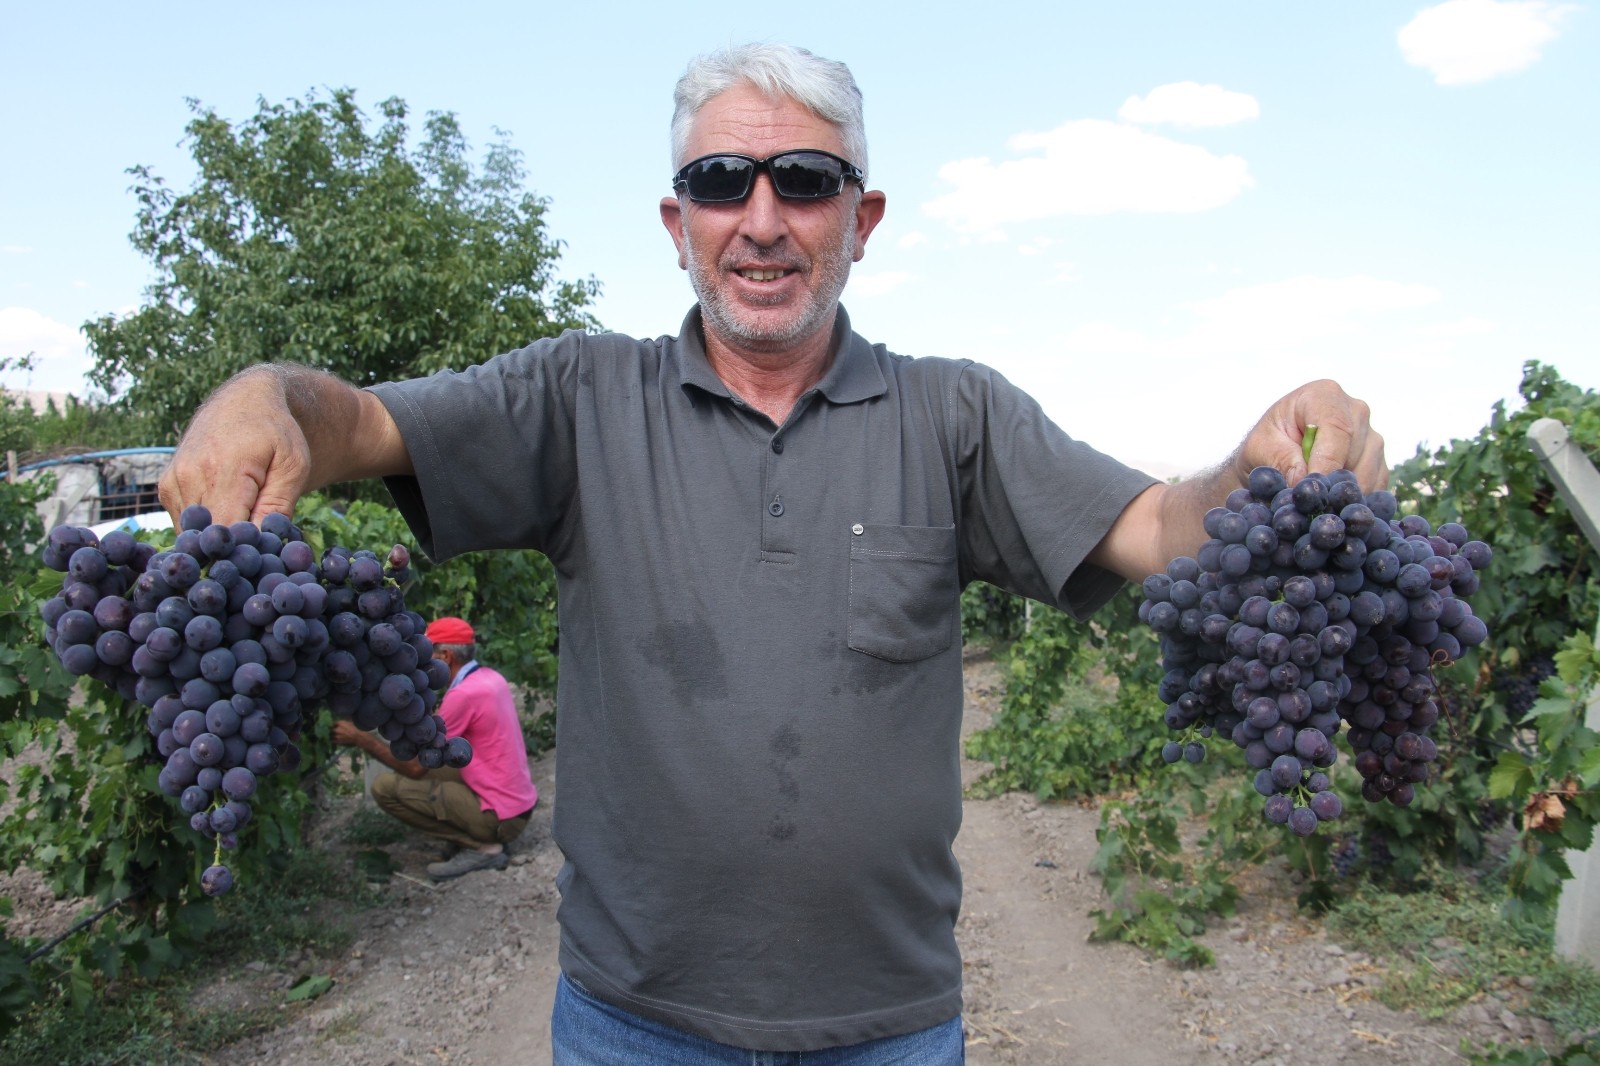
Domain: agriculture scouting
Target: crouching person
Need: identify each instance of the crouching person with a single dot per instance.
(482, 807)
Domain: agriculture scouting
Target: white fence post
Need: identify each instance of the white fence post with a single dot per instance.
(1578, 913)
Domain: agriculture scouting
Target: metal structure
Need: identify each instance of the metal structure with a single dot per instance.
(102, 490)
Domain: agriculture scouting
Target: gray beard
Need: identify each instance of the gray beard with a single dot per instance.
(722, 316)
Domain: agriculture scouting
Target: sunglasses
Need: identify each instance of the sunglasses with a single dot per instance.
(805, 174)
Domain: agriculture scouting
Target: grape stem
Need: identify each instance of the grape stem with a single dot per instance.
(1306, 442)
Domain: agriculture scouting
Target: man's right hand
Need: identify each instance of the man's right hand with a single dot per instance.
(274, 432)
(243, 456)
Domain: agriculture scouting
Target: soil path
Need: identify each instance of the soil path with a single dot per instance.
(464, 973)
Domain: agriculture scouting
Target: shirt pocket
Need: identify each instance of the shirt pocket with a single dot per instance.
(904, 593)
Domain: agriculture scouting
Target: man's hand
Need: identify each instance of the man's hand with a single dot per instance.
(1165, 521)
(274, 432)
(1345, 439)
(243, 456)
(346, 734)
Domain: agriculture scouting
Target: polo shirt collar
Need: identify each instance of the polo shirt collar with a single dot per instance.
(854, 375)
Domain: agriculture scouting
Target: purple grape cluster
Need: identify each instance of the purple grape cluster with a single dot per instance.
(230, 639)
(1312, 606)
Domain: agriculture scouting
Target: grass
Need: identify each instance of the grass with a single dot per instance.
(1455, 944)
(302, 905)
(371, 828)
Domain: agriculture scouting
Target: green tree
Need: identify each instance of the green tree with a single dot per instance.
(309, 237)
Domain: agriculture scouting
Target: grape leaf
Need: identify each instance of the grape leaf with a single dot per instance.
(375, 864)
(1532, 558)
(1510, 776)
(309, 987)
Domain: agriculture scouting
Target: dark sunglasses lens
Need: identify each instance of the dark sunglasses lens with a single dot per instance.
(805, 175)
(720, 178)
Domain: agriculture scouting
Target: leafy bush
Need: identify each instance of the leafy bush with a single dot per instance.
(1506, 751)
(1080, 713)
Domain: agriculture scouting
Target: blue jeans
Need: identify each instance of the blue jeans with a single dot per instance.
(587, 1032)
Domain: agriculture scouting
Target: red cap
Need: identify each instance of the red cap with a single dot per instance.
(450, 631)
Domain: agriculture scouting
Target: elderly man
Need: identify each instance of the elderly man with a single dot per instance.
(482, 807)
(761, 528)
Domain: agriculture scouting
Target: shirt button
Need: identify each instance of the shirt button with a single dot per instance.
(775, 508)
(777, 445)
(858, 529)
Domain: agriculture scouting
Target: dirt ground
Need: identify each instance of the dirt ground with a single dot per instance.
(462, 974)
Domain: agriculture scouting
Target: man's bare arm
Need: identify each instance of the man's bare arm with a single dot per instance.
(1166, 521)
(274, 432)
(348, 734)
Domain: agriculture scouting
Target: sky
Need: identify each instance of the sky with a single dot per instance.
(1157, 217)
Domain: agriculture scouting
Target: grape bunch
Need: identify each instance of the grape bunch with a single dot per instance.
(1312, 607)
(1520, 690)
(231, 639)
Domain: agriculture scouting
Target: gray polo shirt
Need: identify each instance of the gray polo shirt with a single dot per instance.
(760, 666)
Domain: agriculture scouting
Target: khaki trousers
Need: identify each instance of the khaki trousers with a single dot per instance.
(441, 805)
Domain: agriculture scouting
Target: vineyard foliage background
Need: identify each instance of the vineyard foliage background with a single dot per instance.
(319, 254)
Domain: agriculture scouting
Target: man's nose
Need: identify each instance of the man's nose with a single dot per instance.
(764, 213)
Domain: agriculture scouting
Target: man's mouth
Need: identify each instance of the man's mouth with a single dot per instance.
(770, 274)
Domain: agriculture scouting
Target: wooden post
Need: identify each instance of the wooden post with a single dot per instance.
(1578, 913)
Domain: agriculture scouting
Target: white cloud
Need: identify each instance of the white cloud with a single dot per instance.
(1087, 167)
(15, 249)
(1037, 245)
(912, 239)
(877, 284)
(1288, 316)
(1467, 41)
(1464, 327)
(1106, 338)
(1188, 103)
(59, 348)
(1202, 380)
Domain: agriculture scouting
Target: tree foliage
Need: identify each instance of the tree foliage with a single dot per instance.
(308, 236)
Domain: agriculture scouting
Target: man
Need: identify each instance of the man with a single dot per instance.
(482, 807)
(761, 529)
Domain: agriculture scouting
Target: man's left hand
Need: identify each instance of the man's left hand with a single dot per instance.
(1345, 438)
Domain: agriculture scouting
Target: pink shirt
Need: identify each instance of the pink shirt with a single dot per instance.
(479, 707)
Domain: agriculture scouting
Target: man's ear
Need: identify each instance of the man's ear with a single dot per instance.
(869, 212)
(672, 218)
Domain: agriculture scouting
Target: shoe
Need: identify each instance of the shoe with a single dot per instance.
(448, 850)
(464, 862)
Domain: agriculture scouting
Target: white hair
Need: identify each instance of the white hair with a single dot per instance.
(824, 87)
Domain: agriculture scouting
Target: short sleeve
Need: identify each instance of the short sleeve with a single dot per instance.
(1034, 501)
(493, 449)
